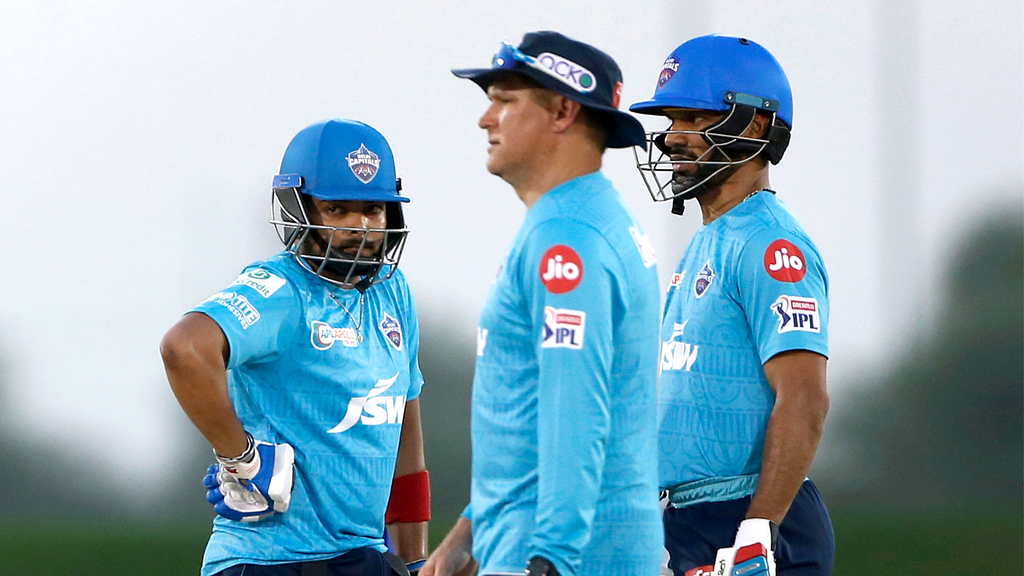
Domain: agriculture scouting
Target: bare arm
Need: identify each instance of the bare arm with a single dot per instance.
(454, 556)
(195, 353)
(410, 538)
(794, 429)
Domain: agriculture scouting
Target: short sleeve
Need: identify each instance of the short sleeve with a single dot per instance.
(259, 314)
(783, 287)
(412, 321)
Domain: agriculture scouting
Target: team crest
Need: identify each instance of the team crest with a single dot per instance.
(364, 163)
(668, 70)
(704, 279)
(392, 330)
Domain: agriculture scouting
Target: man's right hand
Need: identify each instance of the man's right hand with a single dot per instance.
(253, 486)
(454, 556)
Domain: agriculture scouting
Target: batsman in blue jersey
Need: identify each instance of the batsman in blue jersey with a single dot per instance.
(744, 339)
(303, 375)
(564, 394)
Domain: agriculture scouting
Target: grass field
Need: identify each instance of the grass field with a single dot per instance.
(933, 544)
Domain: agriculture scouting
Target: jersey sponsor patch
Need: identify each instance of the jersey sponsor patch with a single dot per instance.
(261, 281)
(392, 330)
(561, 269)
(676, 354)
(481, 340)
(676, 281)
(784, 261)
(239, 305)
(798, 314)
(563, 328)
(705, 277)
(373, 409)
(324, 336)
(643, 244)
(363, 163)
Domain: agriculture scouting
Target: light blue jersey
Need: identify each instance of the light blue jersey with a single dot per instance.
(751, 285)
(564, 396)
(302, 372)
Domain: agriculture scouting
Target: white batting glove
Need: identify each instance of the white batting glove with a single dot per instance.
(253, 486)
(753, 549)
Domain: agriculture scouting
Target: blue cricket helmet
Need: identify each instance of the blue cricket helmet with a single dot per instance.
(714, 72)
(341, 160)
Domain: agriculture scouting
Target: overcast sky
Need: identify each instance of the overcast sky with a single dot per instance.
(138, 141)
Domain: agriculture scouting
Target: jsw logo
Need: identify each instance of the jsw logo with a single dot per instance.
(677, 355)
(373, 409)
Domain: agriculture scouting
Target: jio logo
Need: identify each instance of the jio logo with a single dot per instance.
(784, 261)
(561, 269)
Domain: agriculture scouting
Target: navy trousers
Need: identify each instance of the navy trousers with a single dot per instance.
(806, 545)
(359, 562)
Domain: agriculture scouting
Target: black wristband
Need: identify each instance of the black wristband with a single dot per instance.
(774, 529)
(539, 566)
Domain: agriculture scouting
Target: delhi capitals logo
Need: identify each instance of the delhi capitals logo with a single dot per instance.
(668, 70)
(392, 330)
(364, 163)
(704, 279)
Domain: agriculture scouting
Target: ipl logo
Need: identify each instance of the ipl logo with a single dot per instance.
(364, 163)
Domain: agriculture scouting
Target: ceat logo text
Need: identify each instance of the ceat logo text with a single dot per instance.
(561, 269)
(784, 261)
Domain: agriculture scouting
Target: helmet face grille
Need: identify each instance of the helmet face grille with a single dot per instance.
(726, 149)
(317, 248)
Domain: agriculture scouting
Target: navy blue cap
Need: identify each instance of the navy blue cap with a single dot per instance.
(576, 70)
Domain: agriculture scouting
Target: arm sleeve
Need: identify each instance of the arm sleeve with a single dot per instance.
(572, 317)
(783, 288)
(258, 313)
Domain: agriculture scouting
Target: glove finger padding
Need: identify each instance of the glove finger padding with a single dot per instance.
(254, 490)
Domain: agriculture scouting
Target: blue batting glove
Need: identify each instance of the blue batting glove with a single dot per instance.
(253, 486)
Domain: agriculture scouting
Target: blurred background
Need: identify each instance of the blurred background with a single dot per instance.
(138, 141)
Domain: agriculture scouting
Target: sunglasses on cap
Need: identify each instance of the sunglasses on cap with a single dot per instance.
(507, 56)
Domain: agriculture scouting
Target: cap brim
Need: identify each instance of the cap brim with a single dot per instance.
(347, 194)
(626, 130)
(657, 107)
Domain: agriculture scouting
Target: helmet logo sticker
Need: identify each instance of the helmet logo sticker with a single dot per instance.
(561, 269)
(704, 279)
(668, 70)
(364, 163)
(784, 261)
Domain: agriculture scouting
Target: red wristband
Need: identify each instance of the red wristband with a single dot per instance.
(410, 499)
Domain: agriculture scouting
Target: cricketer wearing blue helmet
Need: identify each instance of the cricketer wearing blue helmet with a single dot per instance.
(303, 375)
(564, 393)
(744, 337)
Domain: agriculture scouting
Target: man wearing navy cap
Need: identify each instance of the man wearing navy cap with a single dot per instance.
(745, 336)
(564, 393)
(318, 410)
